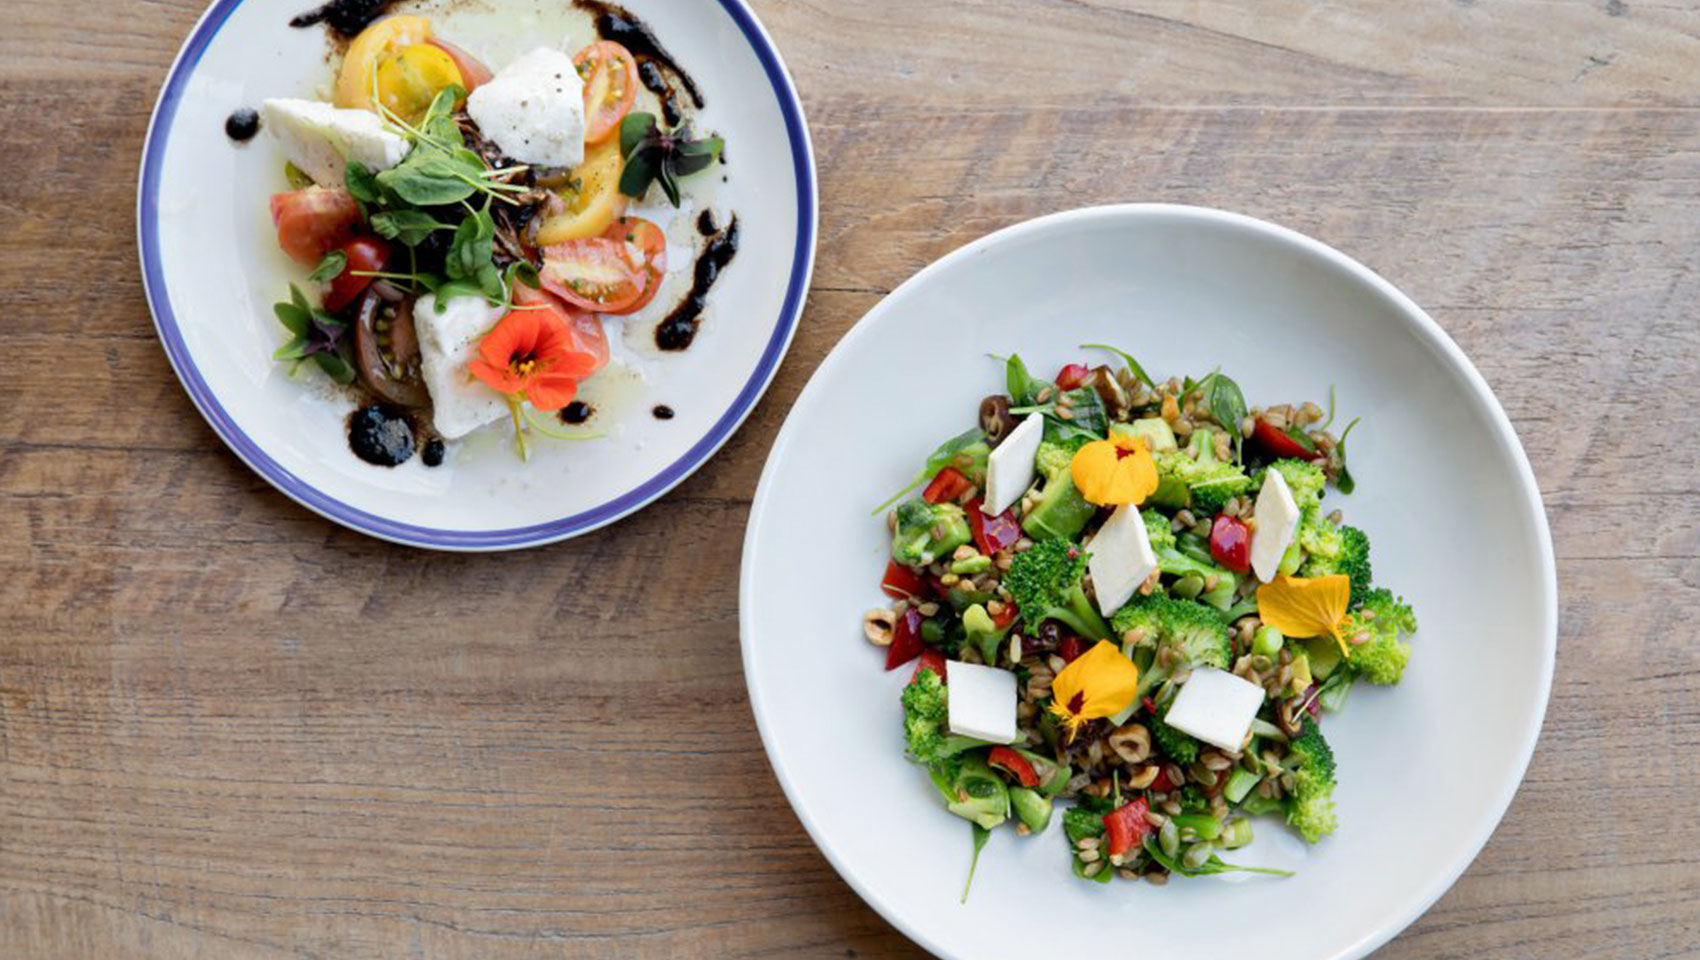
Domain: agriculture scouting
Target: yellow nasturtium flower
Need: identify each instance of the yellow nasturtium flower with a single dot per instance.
(1099, 682)
(1114, 472)
(1307, 607)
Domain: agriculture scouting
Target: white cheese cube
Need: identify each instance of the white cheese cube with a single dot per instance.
(982, 701)
(534, 109)
(460, 403)
(1120, 558)
(1277, 517)
(321, 139)
(1010, 469)
(1217, 707)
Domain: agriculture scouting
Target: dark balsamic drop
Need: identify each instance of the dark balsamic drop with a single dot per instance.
(705, 223)
(380, 436)
(680, 327)
(616, 23)
(432, 455)
(656, 82)
(242, 124)
(663, 412)
(576, 412)
(347, 17)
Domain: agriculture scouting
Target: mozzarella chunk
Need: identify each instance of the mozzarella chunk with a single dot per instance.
(982, 701)
(1010, 468)
(460, 403)
(322, 139)
(534, 109)
(1120, 558)
(1217, 707)
(1277, 517)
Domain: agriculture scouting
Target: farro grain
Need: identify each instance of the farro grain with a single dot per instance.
(1157, 878)
(928, 609)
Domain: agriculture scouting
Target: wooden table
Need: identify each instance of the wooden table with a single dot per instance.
(229, 729)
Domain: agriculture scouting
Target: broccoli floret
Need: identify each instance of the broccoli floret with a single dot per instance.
(1382, 659)
(926, 712)
(1080, 823)
(1174, 744)
(1304, 479)
(1193, 631)
(1193, 799)
(927, 531)
(1310, 804)
(1060, 511)
(1046, 583)
(1210, 482)
(1173, 562)
(1332, 548)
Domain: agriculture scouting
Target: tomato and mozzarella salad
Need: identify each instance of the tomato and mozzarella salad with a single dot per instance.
(466, 225)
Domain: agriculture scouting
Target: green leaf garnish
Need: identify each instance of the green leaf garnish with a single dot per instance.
(654, 155)
(330, 267)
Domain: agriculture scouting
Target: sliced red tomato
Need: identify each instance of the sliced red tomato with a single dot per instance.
(473, 72)
(584, 331)
(592, 274)
(905, 640)
(365, 254)
(1277, 442)
(901, 582)
(1230, 543)
(946, 486)
(1014, 764)
(1072, 376)
(930, 660)
(992, 534)
(610, 76)
(1127, 826)
(313, 221)
(646, 248)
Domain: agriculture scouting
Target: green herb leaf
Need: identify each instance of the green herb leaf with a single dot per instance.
(362, 183)
(633, 130)
(1344, 482)
(473, 244)
(640, 171)
(1227, 404)
(981, 835)
(1023, 387)
(410, 227)
(295, 349)
(669, 182)
(294, 318)
(1301, 438)
(1212, 866)
(334, 367)
(1127, 358)
(330, 267)
(463, 287)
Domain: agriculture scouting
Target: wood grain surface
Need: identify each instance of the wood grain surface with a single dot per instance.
(229, 729)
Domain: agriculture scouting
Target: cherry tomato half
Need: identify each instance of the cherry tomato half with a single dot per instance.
(646, 247)
(592, 274)
(313, 221)
(473, 72)
(1230, 543)
(365, 254)
(610, 78)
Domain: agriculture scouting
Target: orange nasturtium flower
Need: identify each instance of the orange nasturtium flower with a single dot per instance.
(1099, 683)
(1114, 472)
(529, 356)
(1307, 607)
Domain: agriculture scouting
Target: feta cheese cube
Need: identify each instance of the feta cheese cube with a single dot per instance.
(982, 701)
(321, 139)
(1277, 517)
(460, 403)
(1120, 558)
(1217, 707)
(1010, 468)
(534, 109)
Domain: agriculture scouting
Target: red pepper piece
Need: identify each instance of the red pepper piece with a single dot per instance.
(1007, 617)
(903, 583)
(1276, 443)
(1230, 543)
(931, 660)
(1070, 648)
(1072, 376)
(906, 641)
(992, 534)
(1014, 764)
(946, 486)
(1127, 825)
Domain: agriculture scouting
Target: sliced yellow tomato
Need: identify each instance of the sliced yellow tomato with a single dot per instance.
(592, 196)
(409, 80)
(385, 38)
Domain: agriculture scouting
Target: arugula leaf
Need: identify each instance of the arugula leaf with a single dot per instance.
(330, 267)
(941, 457)
(1227, 405)
(410, 227)
(1344, 482)
(1023, 387)
(981, 835)
(1127, 358)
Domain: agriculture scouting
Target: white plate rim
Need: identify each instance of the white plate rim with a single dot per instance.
(1480, 395)
(252, 453)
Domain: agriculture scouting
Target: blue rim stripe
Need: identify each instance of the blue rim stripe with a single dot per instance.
(165, 321)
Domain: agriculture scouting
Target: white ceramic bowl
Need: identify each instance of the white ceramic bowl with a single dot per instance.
(212, 270)
(1427, 768)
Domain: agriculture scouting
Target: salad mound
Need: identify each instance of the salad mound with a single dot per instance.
(467, 229)
(1129, 595)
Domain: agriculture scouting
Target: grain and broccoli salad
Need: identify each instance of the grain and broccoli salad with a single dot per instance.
(1129, 595)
